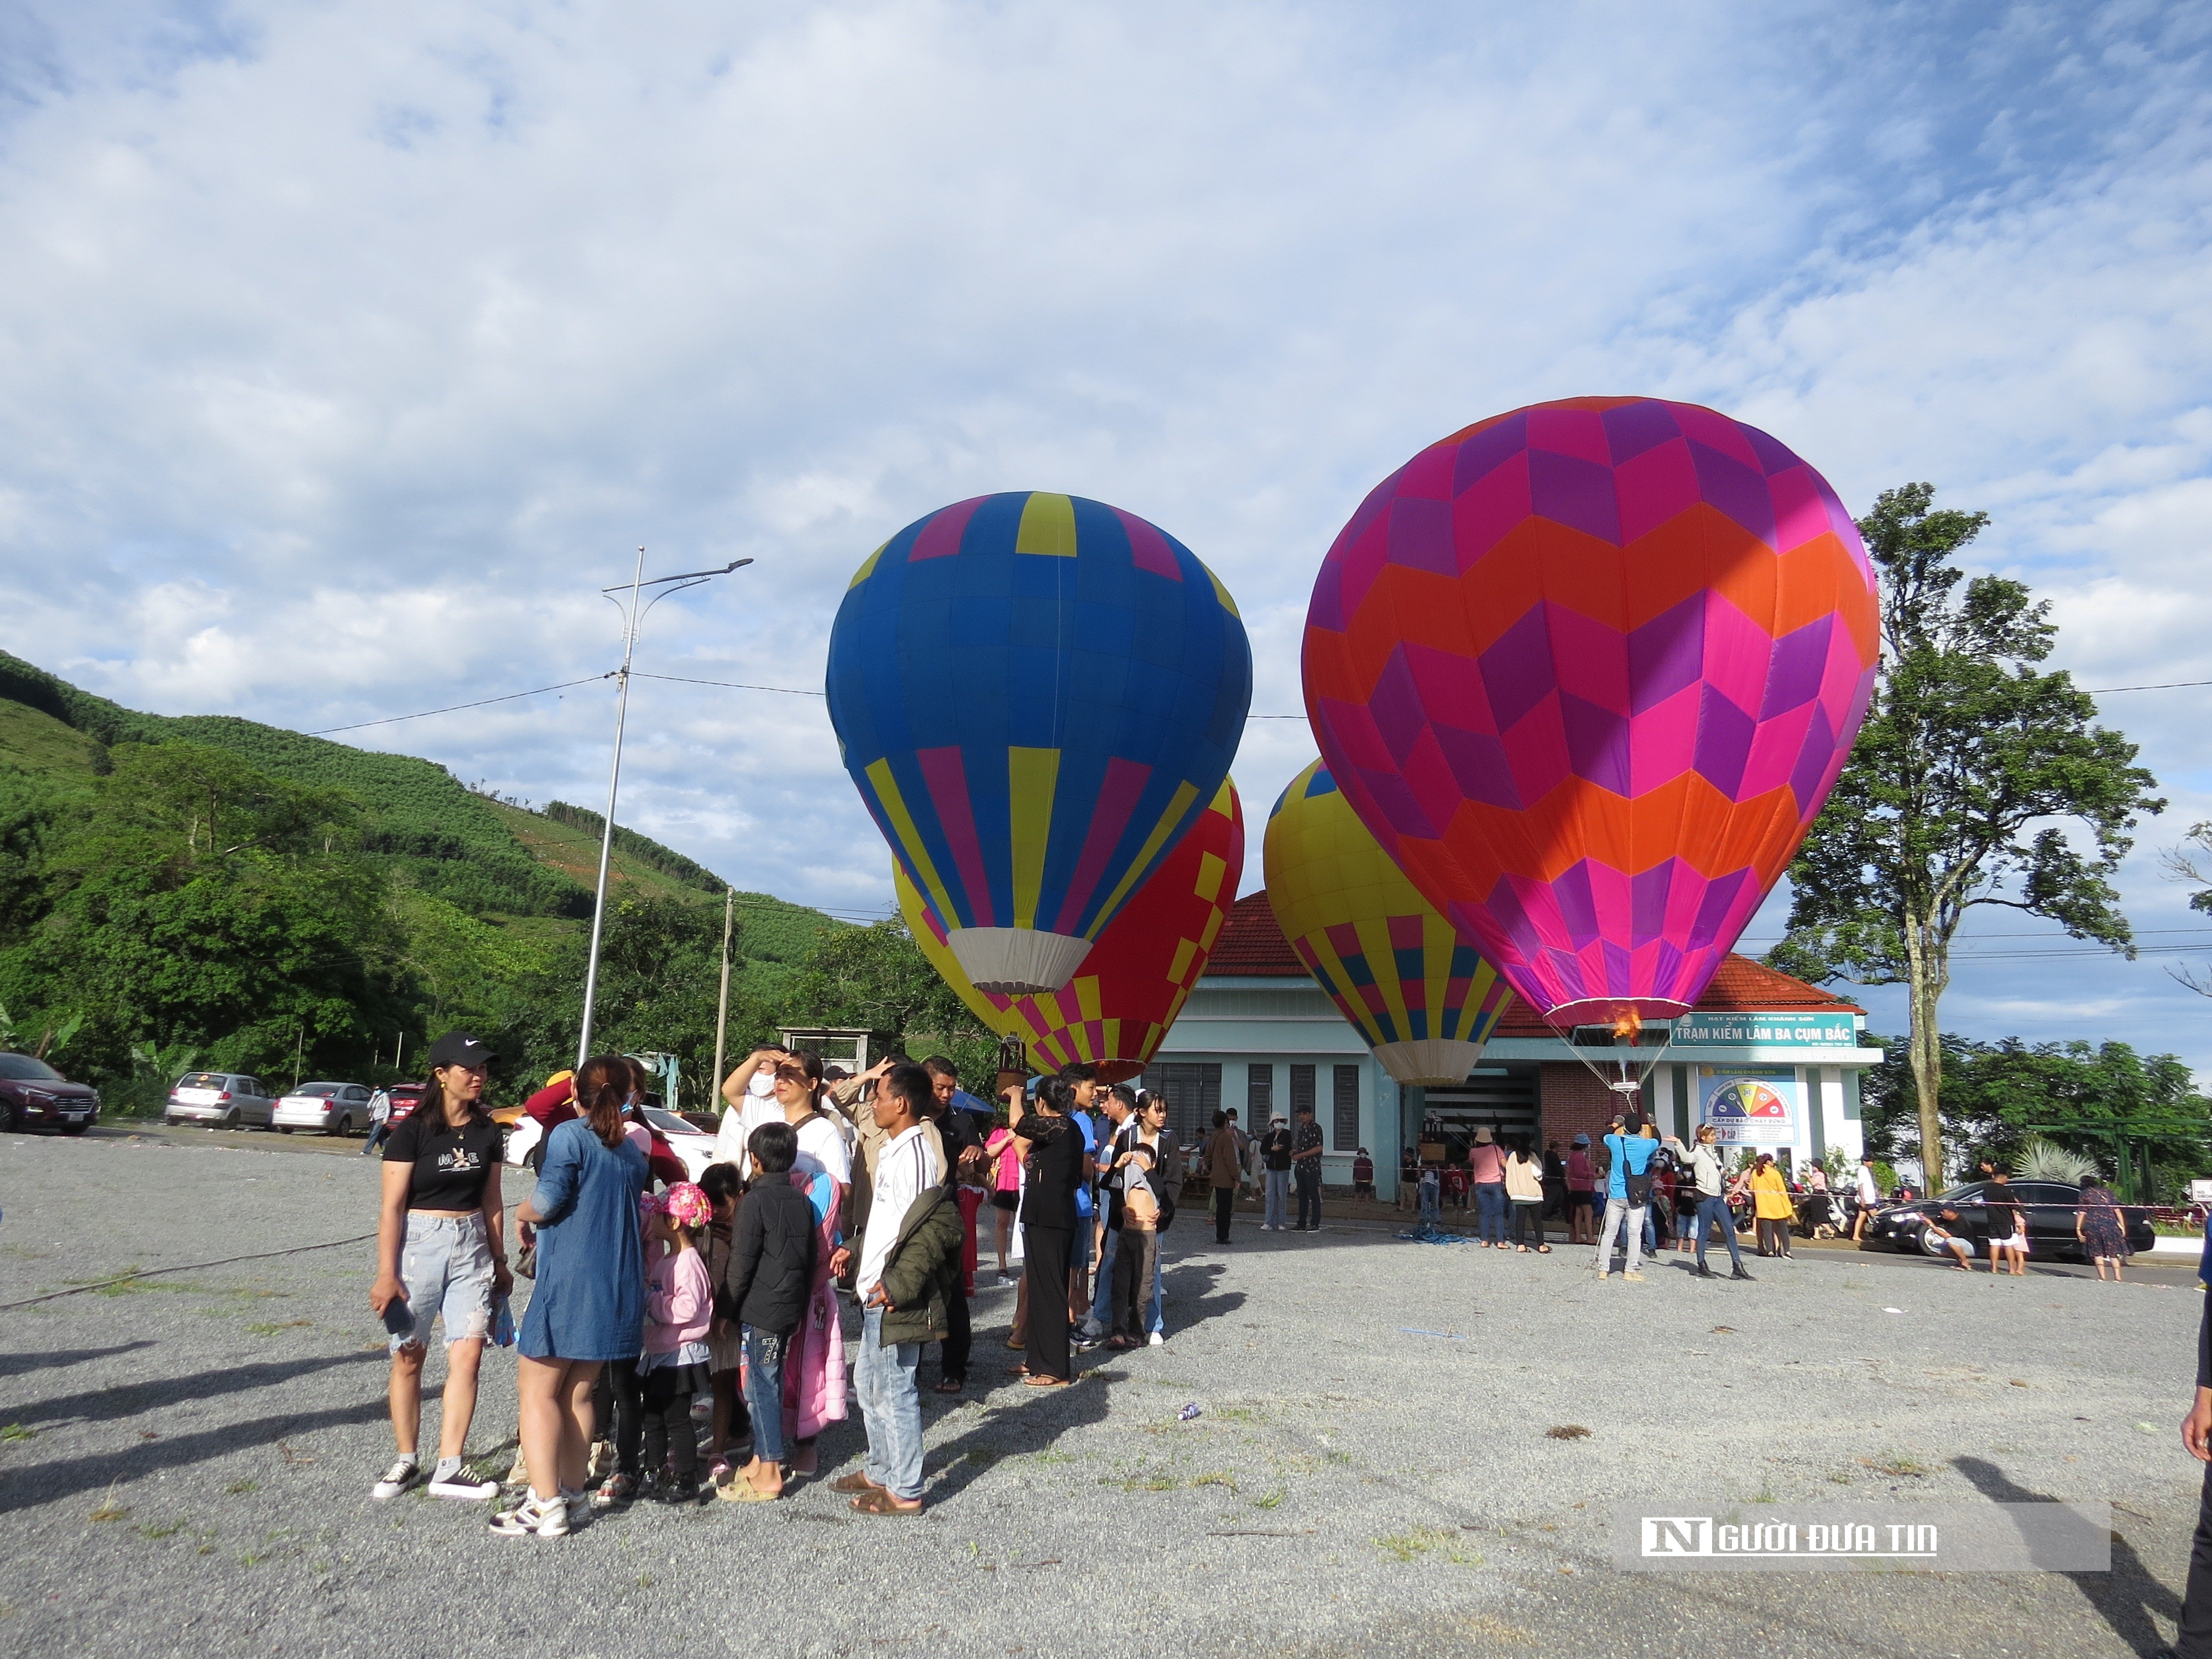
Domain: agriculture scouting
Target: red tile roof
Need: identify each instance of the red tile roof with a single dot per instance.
(1251, 945)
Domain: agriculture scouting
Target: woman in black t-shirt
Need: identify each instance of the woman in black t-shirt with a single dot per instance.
(1052, 1168)
(440, 1249)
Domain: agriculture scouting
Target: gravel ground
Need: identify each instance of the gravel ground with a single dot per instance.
(185, 1463)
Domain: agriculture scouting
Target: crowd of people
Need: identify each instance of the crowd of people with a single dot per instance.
(652, 1293)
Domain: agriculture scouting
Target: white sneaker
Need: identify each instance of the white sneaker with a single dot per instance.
(1007, 1281)
(533, 1516)
(454, 1479)
(1158, 1341)
(403, 1473)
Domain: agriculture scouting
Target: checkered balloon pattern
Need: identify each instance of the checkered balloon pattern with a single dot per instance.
(1586, 671)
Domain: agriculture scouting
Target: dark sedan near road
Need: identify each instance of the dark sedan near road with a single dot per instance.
(2048, 1206)
(34, 1096)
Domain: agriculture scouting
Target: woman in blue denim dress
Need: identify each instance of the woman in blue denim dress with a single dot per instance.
(588, 1305)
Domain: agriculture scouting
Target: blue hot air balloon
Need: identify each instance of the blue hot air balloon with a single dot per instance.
(1036, 695)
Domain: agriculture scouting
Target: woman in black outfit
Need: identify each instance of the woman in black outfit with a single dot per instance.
(1052, 1163)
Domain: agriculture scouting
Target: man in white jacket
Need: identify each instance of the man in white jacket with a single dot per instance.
(1702, 1162)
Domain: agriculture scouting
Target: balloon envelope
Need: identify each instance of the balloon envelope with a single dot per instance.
(1416, 988)
(1036, 694)
(1135, 981)
(1588, 670)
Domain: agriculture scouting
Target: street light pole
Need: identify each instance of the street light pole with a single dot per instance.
(631, 619)
(722, 1002)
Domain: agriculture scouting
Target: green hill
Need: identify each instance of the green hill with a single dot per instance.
(483, 915)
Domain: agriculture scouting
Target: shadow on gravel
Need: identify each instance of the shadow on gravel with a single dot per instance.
(2126, 1598)
(14, 1364)
(131, 1399)
(1031, 1422)
(49, 1483)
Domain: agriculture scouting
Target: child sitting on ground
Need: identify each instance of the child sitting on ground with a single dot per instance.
(679, 1303)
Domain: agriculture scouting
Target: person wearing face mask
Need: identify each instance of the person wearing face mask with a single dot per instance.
(748, 1101)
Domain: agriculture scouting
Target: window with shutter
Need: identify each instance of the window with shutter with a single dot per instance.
(1346, 1125)
(1259, 1097)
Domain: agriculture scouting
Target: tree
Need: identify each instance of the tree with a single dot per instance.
(1998, 1096)
(2191, 862)
(1952, 799)
(876, 977)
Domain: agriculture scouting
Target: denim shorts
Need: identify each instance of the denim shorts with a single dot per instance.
(445, 1263)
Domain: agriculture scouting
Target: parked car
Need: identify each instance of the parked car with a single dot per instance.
(219, 1100)
(335, 1109)
(686, 1138)
(34, 1096)
(2047, 1205)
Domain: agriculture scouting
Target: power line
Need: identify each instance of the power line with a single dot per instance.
(391, 719)
(734, 685)
(2168, 685)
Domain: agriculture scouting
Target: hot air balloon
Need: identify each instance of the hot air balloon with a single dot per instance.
(1036, 694)
(1588, 670)
(1134, 983)
(1417, 990)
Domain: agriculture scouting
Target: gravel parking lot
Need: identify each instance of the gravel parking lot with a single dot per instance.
(185, 1460)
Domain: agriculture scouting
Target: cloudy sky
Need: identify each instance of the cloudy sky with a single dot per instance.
(347, 349)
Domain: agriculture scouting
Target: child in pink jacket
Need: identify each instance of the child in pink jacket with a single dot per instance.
(679, 1303)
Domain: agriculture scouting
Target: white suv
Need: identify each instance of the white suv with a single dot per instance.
(226, 1100)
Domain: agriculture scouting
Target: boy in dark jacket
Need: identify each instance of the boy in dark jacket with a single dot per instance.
(765, 1288)
(908, 1270)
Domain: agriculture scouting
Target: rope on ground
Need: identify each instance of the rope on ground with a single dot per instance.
(184, 1268)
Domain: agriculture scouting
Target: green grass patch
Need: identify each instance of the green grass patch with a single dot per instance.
(159, 1528)
(1443, 1542)
(240, 1488)
(17, 1432)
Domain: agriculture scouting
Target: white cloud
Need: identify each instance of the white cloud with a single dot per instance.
(347, 350)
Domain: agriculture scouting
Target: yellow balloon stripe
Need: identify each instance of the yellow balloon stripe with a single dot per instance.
(1048, 526)
(1031, 775)
(867, 568)
(1000, 1022)
(910, 839)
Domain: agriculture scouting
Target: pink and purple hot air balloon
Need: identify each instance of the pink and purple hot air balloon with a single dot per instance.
(1588, 670)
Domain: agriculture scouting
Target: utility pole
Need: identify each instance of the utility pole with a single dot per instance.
(722, 1002)
(631, 618)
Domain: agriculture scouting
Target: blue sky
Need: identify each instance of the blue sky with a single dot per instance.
(346, 350)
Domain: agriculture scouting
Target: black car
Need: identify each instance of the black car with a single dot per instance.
(2048, 1206)
(34, 1096)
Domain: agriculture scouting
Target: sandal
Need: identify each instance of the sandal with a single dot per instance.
(1543, 1250)
(1048, 1382)
(1521, 1249)
(856, 1481)
(880, 1501)
(1017, 1370)
(951, 1384)
(743, 1492)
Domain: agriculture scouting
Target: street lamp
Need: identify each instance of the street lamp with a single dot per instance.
(631, 618)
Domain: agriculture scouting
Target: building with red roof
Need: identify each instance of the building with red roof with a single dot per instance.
(1770, 1060)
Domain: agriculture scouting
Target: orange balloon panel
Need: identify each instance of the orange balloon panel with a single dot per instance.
(1133, 984)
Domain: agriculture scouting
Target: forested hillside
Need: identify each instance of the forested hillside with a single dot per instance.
(206, 890)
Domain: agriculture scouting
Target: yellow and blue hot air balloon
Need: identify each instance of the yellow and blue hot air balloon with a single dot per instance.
(1036, 695)
(1414, 986)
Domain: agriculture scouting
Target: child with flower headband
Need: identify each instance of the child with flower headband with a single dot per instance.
(679, 1303)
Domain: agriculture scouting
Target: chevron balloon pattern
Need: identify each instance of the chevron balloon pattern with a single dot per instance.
(1588, 670)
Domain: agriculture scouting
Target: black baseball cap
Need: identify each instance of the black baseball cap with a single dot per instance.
(460, 1048)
